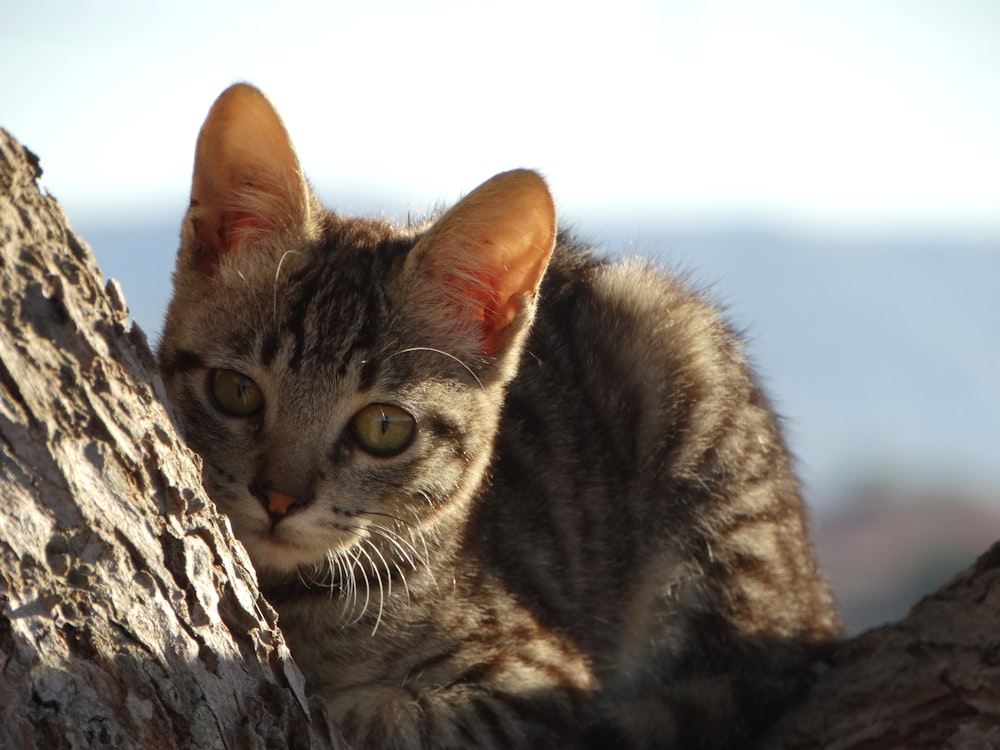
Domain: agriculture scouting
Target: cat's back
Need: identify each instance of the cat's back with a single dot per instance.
(634, 434)
(626, 360)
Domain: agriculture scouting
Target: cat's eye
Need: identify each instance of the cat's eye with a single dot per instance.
(235, 394)
(383, 429)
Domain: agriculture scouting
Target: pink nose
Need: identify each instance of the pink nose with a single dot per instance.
(278, 502)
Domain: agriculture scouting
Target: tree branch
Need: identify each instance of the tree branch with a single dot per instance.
(931, 680)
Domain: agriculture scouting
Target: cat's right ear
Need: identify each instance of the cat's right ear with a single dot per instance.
(479, 267)
(247, 188)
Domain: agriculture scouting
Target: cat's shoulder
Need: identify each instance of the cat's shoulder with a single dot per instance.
(626, 287)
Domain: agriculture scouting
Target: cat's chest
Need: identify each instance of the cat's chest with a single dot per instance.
(461, 622)
(337, 646)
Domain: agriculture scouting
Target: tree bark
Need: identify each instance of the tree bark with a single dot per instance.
(128, 616)
(931, 680)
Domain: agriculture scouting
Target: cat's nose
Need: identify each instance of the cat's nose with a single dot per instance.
(278, 504)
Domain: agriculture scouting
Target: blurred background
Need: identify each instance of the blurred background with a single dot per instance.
(829, 171)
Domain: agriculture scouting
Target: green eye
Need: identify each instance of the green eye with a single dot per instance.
(235, 394)
(383, 429)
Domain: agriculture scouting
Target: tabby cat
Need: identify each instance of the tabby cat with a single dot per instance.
(503, 492)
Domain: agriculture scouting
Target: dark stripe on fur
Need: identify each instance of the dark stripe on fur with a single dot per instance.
(182, 360)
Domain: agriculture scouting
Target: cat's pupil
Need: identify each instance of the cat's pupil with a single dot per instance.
(383, 429)
(235, 394)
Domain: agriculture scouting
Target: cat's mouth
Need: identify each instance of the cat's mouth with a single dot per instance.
(282, 543)
(286, 543)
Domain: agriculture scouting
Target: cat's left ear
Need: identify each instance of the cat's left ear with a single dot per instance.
(482, 262)
(247, 188)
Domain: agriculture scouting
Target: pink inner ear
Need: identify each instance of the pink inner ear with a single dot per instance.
(475, 297)
(488, 254)
(235, 224)
(246, 181)
(223, 235)
(497, 322)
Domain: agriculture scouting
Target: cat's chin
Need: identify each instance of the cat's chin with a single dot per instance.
(280, 548)
(280, 553)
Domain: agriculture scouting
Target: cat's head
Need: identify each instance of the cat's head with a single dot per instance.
(341, 378)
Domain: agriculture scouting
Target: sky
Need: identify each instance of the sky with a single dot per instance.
(834, 113)
(819, 120)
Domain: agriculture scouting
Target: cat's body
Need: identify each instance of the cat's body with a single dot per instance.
(557, 507)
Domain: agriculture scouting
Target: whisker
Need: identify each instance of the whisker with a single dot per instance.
(423, 541)
(427, 555)
(444, 354)
(381, 591)
(357, 563)
(402, 577)
(351, 594)
(277, 274)
(398, 542)
(426, 497)
(345, 571)
(406, 548)
(374, 548)
(335, 568)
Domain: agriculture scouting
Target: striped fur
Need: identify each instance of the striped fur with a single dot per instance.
(595, 538)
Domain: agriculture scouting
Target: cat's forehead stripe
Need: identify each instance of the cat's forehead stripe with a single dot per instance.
(269, 348)
(335, 309)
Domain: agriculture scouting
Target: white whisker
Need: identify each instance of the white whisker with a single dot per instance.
(334, 568)
(427, 555)
(443, 354)
(374, 548)
(378, 578)
(349, 593)
(277, 274)
(402, 577)
(399, 543)
(357, 563)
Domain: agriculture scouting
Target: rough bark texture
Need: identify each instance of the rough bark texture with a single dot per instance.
(128, 618)
(931, 680)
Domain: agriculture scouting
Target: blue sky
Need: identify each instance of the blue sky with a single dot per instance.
(822, 113)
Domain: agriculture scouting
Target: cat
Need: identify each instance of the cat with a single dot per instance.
(502, 491)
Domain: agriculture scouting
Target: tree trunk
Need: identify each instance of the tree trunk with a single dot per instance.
(128, 617)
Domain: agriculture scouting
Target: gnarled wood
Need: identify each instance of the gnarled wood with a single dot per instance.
(931, 680)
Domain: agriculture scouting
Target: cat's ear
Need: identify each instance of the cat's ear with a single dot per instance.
(484, 259)
(247, 187)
